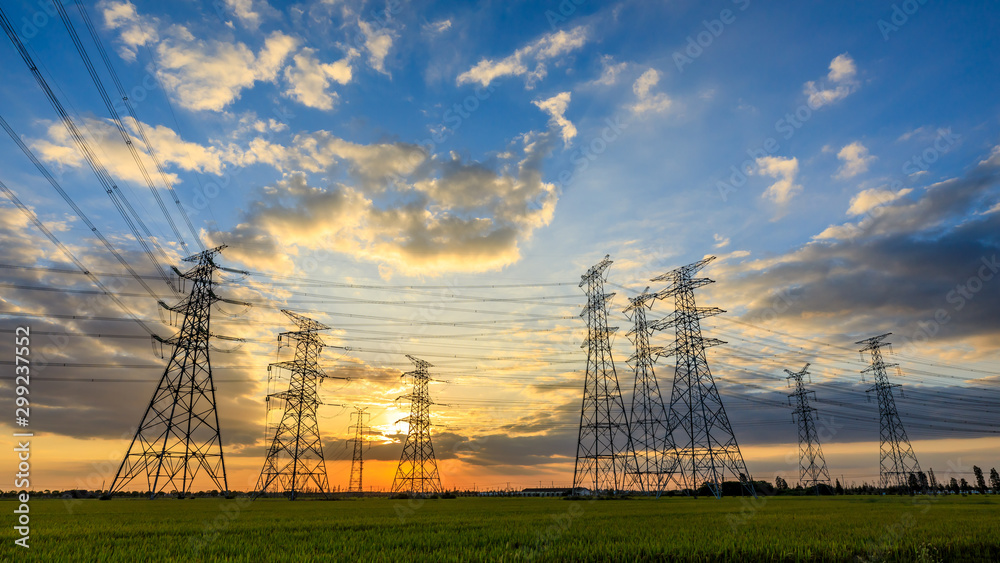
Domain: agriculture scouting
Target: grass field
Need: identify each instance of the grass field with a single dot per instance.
(514, 529)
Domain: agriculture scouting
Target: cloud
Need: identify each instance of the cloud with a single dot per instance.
(404, 208)
(720, 241)
(785, 170)
(840, 82)
(58, 147)
(867, 200)
(646, 100)
(556, 108)
(378, 42)
(610, 71)
(437, 27)
(856, 160)
(546, 48)
(309, 80)
(200, 74)
(245, 13)
(920, 267)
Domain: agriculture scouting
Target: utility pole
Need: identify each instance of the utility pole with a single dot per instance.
(179, 435)
(360, 439)
(812, 464)
(605, 457)
(706, 446)
(417, 472)
(897, 460)
(295, 458)
(654, 450)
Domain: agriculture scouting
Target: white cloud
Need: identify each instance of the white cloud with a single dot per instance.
(993, 159)
(438, 26)
(244, 12)
(785, 170)
(856, 160)
(720, 241)
(556, 108)
(378, 42)
(171, 150)
(840, 82)
(540, 51)
(200, 74)
(646, 100)
(610, 71)
(866, 200)
(309, 80)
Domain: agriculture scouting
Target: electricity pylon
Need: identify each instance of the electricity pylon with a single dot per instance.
(179, 434)
(417, 472)
(706, 446)
(605, 457)
(294, 462)
(654, 450)
(897, 461)
(812, 464)
(360, 439)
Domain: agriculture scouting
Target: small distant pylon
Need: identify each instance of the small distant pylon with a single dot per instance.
(360, 440)
(706, 445)
(897, 461)
(417, 472)
(294, 462)
(812, 464)
(179, 433)
(605, 456)
(655, 452)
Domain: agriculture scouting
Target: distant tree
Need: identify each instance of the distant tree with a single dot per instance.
(912, 482)
(931, 478)
(924, 484)
(953, 485)
(780, 483)
(964, 485)
(980, 481)
(840, 489)
(995, 480)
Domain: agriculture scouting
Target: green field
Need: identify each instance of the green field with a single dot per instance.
(514, 529)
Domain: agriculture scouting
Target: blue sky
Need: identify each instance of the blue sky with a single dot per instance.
(844, 155)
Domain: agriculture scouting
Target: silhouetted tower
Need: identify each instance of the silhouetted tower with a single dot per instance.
(605, 457)
(178, 435)
(706, 446)
(812, 464)
(898, 461)
(294, 462)
(654, 450)
(360, 440)
(417, 472)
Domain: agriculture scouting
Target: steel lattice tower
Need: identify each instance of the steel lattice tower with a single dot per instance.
(605, 457)
(898, 461)
(294, 461)
(654, 450)
(179, 432)
(417, 472)
(706, 446)
(358, 461)
(812, 464)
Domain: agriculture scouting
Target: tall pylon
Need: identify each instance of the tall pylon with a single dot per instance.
(179, 434)
(294, 462)
(654, 449)
(360, 415)
(417, 472)
(897, 461)
(706, 446)
(605, 456)
(812, 464)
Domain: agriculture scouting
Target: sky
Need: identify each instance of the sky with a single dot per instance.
(432, 179)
